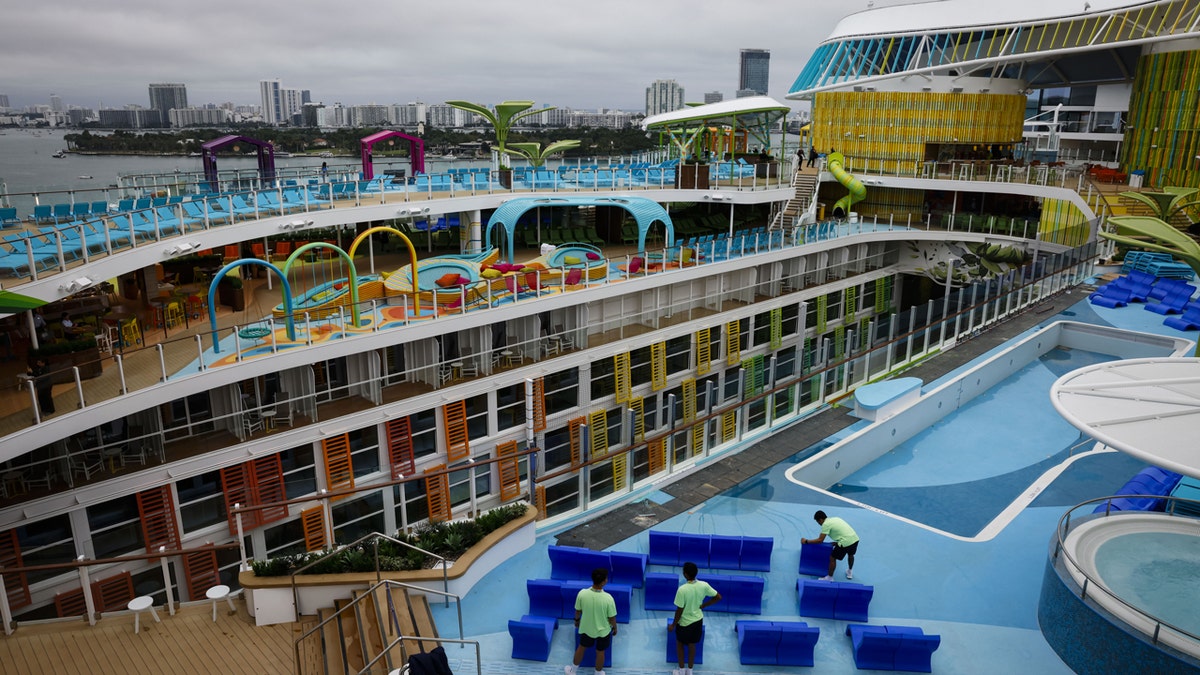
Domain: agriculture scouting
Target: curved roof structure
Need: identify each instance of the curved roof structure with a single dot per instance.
(1043, 44)
(1148, 408)
(740, 112)
(645, 211)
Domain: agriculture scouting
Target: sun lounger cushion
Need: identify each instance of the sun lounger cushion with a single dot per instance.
(447, 280)
(490, 273)
(593, 256)
(571, 259)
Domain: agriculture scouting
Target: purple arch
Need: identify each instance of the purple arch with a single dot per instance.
(416, 152)
(266, 158)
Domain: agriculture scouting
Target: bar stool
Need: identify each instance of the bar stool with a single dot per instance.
(217, 593)
(139, 605)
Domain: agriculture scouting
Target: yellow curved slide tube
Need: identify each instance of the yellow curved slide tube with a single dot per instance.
(834, 161)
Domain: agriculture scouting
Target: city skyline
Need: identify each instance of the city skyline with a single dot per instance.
(585, 59)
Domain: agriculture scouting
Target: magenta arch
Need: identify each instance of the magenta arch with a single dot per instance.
(266, 158)
(416, 152)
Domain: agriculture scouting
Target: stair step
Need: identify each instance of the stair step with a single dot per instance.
(355, 654)
(370, 619)
(332, 644)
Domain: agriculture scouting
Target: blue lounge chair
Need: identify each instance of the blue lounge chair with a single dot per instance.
(100, 208)
(1189, 320)
(1177, 297)
(8, 217)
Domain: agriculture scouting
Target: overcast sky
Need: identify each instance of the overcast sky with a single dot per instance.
(565, 53)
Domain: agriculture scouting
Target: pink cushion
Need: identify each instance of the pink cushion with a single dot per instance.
(593, 256)
(462, 281)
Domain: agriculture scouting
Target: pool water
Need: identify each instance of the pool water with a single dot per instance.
(1156, 572)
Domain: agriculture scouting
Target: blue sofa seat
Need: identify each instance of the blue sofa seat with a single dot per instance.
(673, 655)
(1149, 481)
(814, 558)
(776, 643)
(739, 594)
(834, 600)
(712, 551)
(905, 648)
(531, 636)
(575, 563)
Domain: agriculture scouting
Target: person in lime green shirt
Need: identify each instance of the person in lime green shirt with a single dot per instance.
(692, 598)
(845, 542)
(595, 619)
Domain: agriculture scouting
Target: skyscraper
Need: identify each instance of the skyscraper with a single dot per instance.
(663, 96)
(272, 101)
(754, 76)
(56, 104)
(714, 97)
(3, 100)
(167, 97)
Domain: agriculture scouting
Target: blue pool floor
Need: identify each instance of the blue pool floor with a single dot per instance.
(921, 548)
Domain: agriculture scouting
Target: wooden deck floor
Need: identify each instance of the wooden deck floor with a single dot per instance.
(189, 643)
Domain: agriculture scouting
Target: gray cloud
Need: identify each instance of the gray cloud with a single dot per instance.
(557, 52)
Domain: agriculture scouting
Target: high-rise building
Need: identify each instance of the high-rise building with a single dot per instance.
(272, 101)
(56, 104)
(714, 97)
(166, 97)
(754, 72)
(663, 96)
(3, 100)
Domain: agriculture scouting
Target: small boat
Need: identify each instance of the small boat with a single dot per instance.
(84, 177)
(60, 154)
(325, 154)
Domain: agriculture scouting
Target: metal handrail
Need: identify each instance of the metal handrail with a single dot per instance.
(1064, 526)
(374, 537)
(392, 617)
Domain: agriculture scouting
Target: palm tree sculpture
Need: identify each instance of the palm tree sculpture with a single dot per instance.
(502, 118)
(537, 155)
(1168, 203)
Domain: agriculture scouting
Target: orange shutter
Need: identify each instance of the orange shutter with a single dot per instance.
(400, 448)
(200, 572)
(114, 593)
(268, 488)
(159, 527)
(437, 494)
(16, 585)
(458, 444)
(312, 522)
(237, 484)
(510, 471)
(658, 456)
(539, 404)
(339, 471)
(573, 428)
(539, 499)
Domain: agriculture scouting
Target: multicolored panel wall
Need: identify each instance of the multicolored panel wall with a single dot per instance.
(894, 127)
(1063, 223)
(1162, 135)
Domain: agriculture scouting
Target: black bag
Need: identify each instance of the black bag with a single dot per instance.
(429, 663)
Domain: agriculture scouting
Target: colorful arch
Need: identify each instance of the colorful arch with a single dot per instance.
(645, 211)
(412, 256)
(208, 156)
(287, 267)
(212, 297)
(416, 152)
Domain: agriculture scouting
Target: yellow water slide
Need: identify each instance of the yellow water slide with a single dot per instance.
(835, 162)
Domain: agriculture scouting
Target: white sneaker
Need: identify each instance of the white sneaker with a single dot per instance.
(849, 574)
(677, 671)
(569, 670)
(826, 578)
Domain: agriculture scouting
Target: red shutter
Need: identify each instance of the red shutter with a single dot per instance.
(16, 585)
(238, 485)
(159, 526)
(268, 488)
(400, 447)
(70, 603)
(114, 593)
(200, 572)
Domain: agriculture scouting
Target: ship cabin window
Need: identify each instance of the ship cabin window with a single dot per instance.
(460, 482)
(733, 388)
(364, 451)
(424, 433)
(602, 378)
(411, 505)
(510, 406)
(650, 413)
(785, 363)
(299, 471)
(284, 539)
(563, 496)
(188, 416)
(557, 445)
(744, 332)
(201, 501)
(477, 416)
(668, 414)
(639, 366)
(358, 517)
(762, 329)
(46, 542)
(703, 385)
(679, 354)
(116, 527)
(331, 379)
(562, 390)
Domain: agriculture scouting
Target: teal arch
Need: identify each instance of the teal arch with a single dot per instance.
(645, 211)
(212, 297)
(287, 267)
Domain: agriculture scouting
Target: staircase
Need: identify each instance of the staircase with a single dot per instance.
(356, 630)
(805, 186)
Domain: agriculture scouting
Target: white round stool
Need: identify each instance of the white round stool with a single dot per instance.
(139, 605)
(217, 593)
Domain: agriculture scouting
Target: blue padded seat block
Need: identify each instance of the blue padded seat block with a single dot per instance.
(573, 562)
(568, 591)
(589, 654)
(739, 594)
(664, 548)
(817, 598)
(852, 602)
(797, 642)
(673, 655)
(545, 597)
(904, 648)
(814, 558)
(531, 636)
(628, 568)
(694, 548)
(756, 553)
(622, 595)
(758, 643)
(724, 553)
(660, 591)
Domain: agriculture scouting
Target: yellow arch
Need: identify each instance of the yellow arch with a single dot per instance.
(412, 256)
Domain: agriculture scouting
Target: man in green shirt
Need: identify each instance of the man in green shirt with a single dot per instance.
(595, 619)
(845, 542)
(690, 601)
